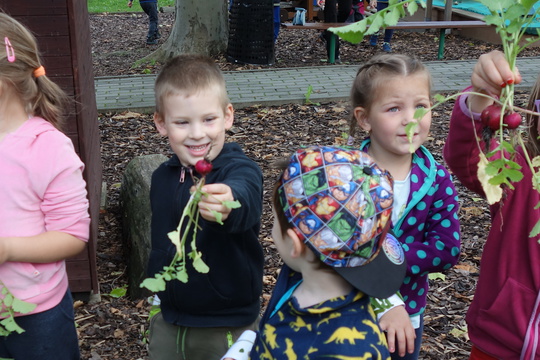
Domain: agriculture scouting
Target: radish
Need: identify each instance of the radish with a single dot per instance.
(491, 117)
(512, 120)
(203, 167)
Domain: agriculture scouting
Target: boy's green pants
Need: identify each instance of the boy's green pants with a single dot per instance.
(171, 342)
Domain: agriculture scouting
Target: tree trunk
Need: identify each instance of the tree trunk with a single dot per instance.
(200, 27)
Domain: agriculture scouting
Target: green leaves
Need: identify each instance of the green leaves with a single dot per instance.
(9, 306)
(118, 292)
(188, 224)
(355, 32)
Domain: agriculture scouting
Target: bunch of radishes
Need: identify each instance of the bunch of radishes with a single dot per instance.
(491, 118)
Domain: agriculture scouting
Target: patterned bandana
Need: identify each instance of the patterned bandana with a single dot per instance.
(340, 203)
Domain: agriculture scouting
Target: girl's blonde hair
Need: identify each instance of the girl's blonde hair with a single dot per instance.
(533, 143)
(19, 59)
(372, 75)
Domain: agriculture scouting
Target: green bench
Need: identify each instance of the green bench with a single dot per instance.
(410, 25)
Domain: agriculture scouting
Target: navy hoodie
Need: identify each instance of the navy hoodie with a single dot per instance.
(229, 294)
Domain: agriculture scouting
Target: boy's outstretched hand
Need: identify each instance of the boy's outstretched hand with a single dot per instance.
(399, 330)
(217, 194)
(490, 74)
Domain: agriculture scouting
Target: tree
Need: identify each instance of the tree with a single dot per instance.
(200, 27)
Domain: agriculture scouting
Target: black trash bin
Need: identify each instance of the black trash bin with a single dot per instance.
(251, 32)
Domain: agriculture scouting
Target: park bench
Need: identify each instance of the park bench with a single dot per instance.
(402, 25)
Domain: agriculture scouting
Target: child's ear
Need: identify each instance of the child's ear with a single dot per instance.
(229, 116)
(160, 123)
(298, 247)
(360, 114)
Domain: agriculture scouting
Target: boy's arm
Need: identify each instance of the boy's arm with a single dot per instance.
(246, 185)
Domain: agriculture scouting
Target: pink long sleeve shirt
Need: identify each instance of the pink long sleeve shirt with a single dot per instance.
(41, 189)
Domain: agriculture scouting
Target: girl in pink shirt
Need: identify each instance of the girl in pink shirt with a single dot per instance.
(43, 203)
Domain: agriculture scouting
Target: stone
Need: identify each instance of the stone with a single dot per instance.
(136, 218)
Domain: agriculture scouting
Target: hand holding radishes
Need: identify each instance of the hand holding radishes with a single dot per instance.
(213, 202)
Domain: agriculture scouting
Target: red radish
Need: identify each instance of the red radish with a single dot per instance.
(203, 167)
(491, 116)
(512, 120)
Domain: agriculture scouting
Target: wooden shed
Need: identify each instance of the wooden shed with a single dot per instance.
(62, 29)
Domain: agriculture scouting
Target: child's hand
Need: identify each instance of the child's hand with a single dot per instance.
(373, 3)
(398, 327)
(217, 193)
(491, 73)
(130, 3)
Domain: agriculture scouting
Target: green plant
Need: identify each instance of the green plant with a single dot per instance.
(189, 222)
(9, 306)
(118, 292)
(510, 17)
(307, 96)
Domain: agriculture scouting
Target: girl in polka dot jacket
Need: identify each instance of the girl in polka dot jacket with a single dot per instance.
(385, 94)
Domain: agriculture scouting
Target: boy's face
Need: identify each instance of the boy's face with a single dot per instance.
(195, 124)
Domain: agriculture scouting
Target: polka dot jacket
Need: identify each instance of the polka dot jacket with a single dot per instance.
(428, 229)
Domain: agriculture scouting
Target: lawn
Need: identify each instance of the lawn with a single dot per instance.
(112, 6)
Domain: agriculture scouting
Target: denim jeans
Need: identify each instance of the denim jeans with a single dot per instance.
(49, 335)
(388, 32)
(150, 8)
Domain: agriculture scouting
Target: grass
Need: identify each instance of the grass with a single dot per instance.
(115, 6)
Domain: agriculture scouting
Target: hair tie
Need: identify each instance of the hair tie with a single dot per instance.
(40, 71)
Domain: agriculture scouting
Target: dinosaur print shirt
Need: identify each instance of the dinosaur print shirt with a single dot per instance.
(340, 328)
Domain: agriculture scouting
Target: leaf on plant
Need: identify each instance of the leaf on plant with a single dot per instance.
(22, 307)
(439, 98)
(218, 216)
(182, 275)
(493, 192)
(198, 262)
(496, 6)
(409, 131)
(536, 230)
(174, 236)
(11, 326)
(118, 292)
(412, 8)
(232, 204)
(154, 284)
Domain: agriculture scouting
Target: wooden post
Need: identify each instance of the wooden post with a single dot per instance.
(62, 30)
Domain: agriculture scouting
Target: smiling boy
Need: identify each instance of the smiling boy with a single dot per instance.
(199, 318)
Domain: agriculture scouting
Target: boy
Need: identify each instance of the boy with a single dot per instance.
(200, 317)
(320, 306)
